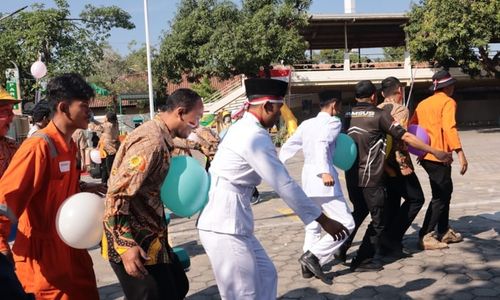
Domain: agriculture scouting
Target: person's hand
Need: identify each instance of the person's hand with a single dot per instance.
(95, 188)
(444, 157)
(332, 227)
(327, 179)
(133, 262)
(405, 171)
(463, 162)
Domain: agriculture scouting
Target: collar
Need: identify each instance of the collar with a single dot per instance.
(324, 114)
(252, 118)
(57, 137)
(165, 131)
(363, 104)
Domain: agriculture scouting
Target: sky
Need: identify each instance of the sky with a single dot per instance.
(161, 13)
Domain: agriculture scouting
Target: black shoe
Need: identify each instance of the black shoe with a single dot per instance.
(306, 273)
(400, 253)
(365, 265)
(311, 262)
(341, 254)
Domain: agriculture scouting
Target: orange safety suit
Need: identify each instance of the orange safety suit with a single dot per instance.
(39, 178)
(437, 115)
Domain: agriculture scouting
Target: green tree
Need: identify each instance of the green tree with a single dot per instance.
(394, 53)
(333, 56)
(64, 43)
(203, 88)
(456, 33)
(120, 75)
(218, 38)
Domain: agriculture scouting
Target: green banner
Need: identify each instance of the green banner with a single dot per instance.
(11, 88)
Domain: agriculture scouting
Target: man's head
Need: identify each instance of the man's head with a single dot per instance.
(6, 113)
(442, 81)
(365, 91)
(69, 96)
(329, 102)
(111, 117)
(266, 99)
(41, 114)
(182, 112)
(392, 89)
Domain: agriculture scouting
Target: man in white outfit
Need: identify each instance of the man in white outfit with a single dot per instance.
(226, 226)
(320, 181)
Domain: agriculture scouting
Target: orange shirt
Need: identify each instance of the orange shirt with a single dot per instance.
(34, 187)
(437, 115)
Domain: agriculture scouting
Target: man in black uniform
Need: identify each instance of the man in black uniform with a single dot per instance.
(368, 126)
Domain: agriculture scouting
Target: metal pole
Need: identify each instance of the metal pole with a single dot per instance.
(148, 54)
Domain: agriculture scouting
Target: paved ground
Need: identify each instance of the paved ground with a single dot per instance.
(468, 270)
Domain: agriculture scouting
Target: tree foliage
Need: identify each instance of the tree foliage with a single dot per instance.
(456, 33)
(219, 38)
(394, 53)
(64, 43)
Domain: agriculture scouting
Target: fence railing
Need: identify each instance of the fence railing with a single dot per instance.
(225, 91)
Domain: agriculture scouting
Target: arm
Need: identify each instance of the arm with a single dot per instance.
(22, 179)
(262, 157)
(127, 178)
(393, 128)
(322, 147)
(415, 142)
(450, 133)
(291, 146)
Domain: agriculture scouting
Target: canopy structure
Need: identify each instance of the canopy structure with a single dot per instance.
(353, 31)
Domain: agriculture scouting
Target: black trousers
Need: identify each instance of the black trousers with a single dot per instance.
(399, 217)
(367, 200)
(10, 287)
(164, 281)
(438, 212)
(106, 165)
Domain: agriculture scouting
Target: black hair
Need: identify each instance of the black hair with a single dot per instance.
(327, 97)
(185, 98)
(41, 111)
(68, 87)
(390, 85)
(111, 117)
(364, 89)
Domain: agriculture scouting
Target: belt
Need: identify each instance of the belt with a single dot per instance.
(222, 183)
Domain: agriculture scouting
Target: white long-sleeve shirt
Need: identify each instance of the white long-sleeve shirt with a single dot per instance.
(245, 157)
(316, 138)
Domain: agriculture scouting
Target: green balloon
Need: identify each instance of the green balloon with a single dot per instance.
(185, 188)
(345, 152)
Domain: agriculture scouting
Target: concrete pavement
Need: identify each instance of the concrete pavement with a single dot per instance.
(467, 270)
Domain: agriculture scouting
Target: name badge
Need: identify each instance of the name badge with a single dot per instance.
(64, 166)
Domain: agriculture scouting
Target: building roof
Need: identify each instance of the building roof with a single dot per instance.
(327, 31)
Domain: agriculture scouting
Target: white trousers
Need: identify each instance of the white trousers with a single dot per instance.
(242, 269)
(324, 247)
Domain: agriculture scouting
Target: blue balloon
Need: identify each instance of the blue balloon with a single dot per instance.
(345, 152)
(183, 257)
(185, 188)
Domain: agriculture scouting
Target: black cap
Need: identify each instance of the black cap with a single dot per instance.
(389, 84)
(259, 87)
(364, 89)
(441, 79)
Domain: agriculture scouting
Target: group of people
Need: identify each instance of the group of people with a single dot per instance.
(42, 173)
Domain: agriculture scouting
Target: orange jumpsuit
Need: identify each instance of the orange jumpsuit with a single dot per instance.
(34, 187)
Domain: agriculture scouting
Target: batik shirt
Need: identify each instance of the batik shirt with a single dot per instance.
(7, 149)
(134, 212)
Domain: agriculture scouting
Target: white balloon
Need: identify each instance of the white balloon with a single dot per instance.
(79, 220)
(95, 156)
(38, 69)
